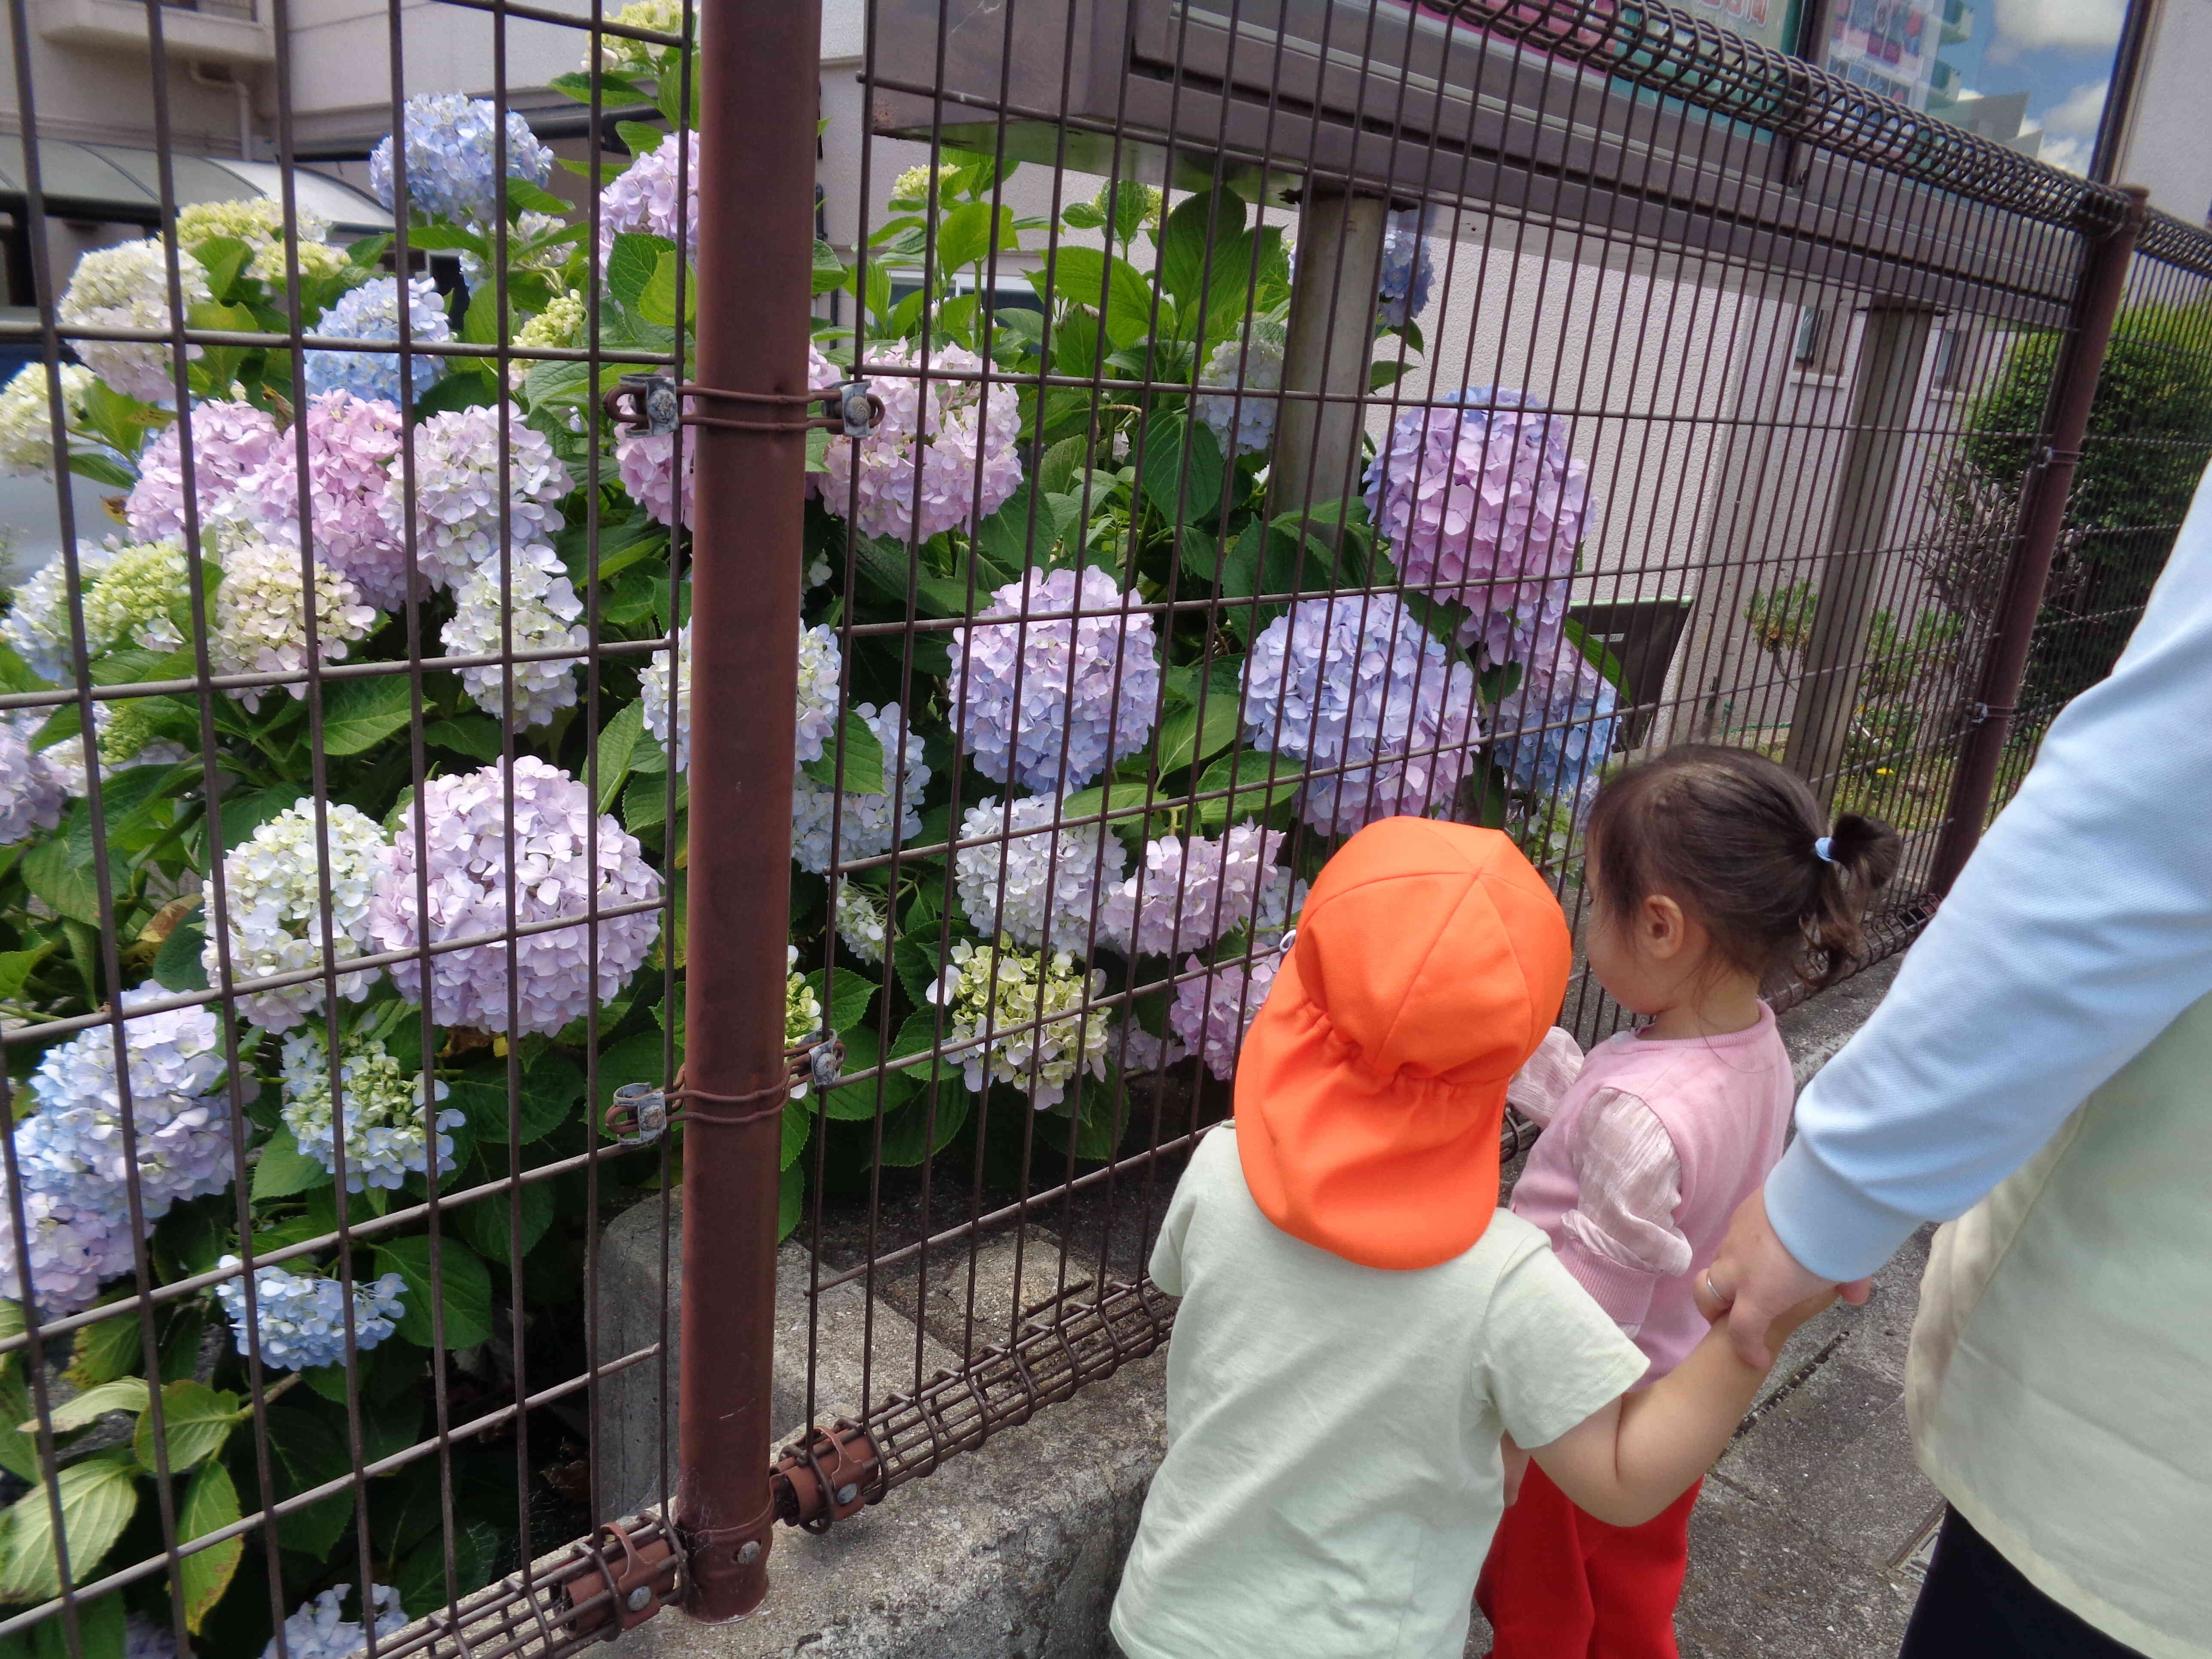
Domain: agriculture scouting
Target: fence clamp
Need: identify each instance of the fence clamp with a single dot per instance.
(639, 1113)
(653, 404)
(831, 1475)
(635, 1576)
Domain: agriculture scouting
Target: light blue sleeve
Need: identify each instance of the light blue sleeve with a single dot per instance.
(2081, 928)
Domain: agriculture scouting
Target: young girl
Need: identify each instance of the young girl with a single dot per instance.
(1360, 1324)
(1713, 876)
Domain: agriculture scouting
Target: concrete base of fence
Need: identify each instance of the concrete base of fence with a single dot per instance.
(1011, 1551)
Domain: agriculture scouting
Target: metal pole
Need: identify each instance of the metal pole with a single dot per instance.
(1331, 338)
(2044, 498)
(1881, 412)
(760, 68)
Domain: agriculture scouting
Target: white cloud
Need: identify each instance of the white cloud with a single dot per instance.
(2074, 25)
(2069, 155)
(2081, 109)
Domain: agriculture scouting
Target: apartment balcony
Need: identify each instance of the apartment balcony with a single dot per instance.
(1958, 22)
(192, 31)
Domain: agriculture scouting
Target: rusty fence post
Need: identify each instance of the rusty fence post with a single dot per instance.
(2044, 501)
(759, 73)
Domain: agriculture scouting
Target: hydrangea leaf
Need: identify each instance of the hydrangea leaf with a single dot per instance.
(859, 769)
(1212, 222)
(59, 871)
(797, 1127)
(489, 1223)
(125, 1395)
(849, 1006)
(856, 1101)
(98, 1498)
(359, 713)
(19, 1452)
(924, 1127)
(422, 1580)
(524, 196)
(631, 262)
(465, 1283)
(1181, 469)
(965, 235)
(1254, 780)
(657, 302)
(791, 1200)
(210, 1503)
(309, 1454)
(104, 1351)
(196, 1420)
(1113, 286)
(284, 1169)
(476, 736)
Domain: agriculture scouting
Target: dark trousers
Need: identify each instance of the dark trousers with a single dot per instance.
(1977, 1605)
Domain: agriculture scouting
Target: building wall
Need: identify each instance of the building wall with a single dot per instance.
(2166, 148)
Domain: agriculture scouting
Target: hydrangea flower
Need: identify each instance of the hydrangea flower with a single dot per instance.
(1408, 272)
(351, 446)
(863, 920)
(802, 1011)
(138, 597)
(1087, 686)
(144, 1639)
(1211, 1014)
(820, 665)
(561, 323)
(122, 733)
(647, 461)
(1244, 425)
(31, 797)
(962, 440)
(273, 893)
(27, 427)
(622, 56)
(641, 197)
(454, 167)
(80, 1236)
(258, 222)
(382, 1107)
(371, 312)
(300, 1320)
(458, 497)
(863, 825)
(261, 616)
(462, 852)
(919, 182)
(1051, 878)
(1554, 729)
(540, 608)
(1481, 505)
(1352, 681)
(229, 439)
(528, 227)
(37, 626)
(127, 286)
(1195, 891)
(1020, 1017)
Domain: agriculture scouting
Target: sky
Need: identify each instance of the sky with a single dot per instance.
(2060, 52)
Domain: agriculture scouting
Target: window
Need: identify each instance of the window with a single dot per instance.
(1824, 333)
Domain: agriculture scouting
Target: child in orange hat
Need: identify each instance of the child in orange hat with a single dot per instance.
(1361, 1322)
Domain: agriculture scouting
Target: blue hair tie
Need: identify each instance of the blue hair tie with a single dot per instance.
(1824, 850)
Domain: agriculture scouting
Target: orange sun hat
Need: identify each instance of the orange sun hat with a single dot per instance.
(1430, 961)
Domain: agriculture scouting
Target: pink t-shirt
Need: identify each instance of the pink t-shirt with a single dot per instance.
(1647, 1151)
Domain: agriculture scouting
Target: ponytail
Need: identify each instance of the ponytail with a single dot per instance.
(1855, 859)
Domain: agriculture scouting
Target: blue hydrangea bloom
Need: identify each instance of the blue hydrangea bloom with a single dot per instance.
(1555, 729)
(1409, 273)
(371, 312)
(451, 166)
(301, 1317)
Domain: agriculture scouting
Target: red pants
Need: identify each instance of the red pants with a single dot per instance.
(1560, 1585)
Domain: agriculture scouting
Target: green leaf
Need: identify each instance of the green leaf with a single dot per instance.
(446, 238)
(98, 1498)
(1113, 286)
(126, 1394)
(59, 871)
(1184, 737)
(644, 804)
(640, 137)
(19, 1452)
(284, 1169)
(477, 736)
(618, 744)
(1056, 472)
(104, 1351)
(16, 967)
(798, 1125)
(177, 963)
(210, 1505)
(310, 1454)
(916, 1132)
(102, 1633)
(631, 261)
(196, 1420)
(551, 1086)
(862, 765)
(965, 235)
(101, 469)
(467, 1286)
(244, 812)
(421, 1581)
(358, 714)
(791, 1200)
(657, 304)
(488, 1222)
(458, 391)
(1182, 470)
(855, 992)
(1123, 796)
(830, 272)
(523, 196)
(1203, 221)
(857, 1101)
(1081, 216)
(1247, 778)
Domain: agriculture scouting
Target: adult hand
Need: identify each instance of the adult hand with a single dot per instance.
(1755, 1280)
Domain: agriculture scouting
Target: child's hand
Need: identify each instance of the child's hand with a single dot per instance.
(1517, 1465)
(1786, 1323)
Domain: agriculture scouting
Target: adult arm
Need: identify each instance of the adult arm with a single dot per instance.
(2079, 930)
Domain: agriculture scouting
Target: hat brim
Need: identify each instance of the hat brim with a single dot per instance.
(1387, 1171)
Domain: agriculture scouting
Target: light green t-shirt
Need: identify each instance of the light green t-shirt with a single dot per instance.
(1332, 1477)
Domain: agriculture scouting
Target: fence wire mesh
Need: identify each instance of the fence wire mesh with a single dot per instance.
(1286, 413)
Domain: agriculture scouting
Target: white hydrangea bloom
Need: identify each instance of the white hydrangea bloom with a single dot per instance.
(802, 1012)
(30, 796)
(258, 222)
(27, 430)
(1195, 892)
(1244, 424)
(623, 56)
(37, 626)
(261, 614)
(1020, 1017)
(127, 286)
(463, 851)
(139, 598)
(865, 826)
(863, 920)
(561, 323)
(458, 498)
(820, 665)
(382, 1107)
(1052, 879)
(121, 733)
(272, 893)
(541, 607)
(300, 1319)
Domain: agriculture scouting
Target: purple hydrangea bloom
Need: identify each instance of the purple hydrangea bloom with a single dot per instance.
(962, 444)
(453, 166)
(1194, 892)
(1088, 686)
(30, 796)
(1034, 884)
(459, 463)
(300, 1320)
(1408, 272)
(1554, 730)
(352, 443)
(641, 197)
(1481, 505)
(371, 312)
(863, 825)
(462, 852)
(1353, 682)
(229, 440)
(1211, 1014)
(144, 1639)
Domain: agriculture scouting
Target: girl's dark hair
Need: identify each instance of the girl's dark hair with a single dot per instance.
(1732, 837)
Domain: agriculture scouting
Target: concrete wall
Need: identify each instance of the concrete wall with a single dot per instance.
(2166, 150)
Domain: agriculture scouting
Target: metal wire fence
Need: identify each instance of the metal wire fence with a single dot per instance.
(1224, 425)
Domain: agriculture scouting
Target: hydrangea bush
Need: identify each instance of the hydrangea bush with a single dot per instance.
(1064, 757)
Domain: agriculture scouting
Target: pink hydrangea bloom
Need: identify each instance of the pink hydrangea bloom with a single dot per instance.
(1194, 892)
(351, 444)
(1210, 1015)
(229, 440)
(930, 465)
(646, 460)
(642, 198)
